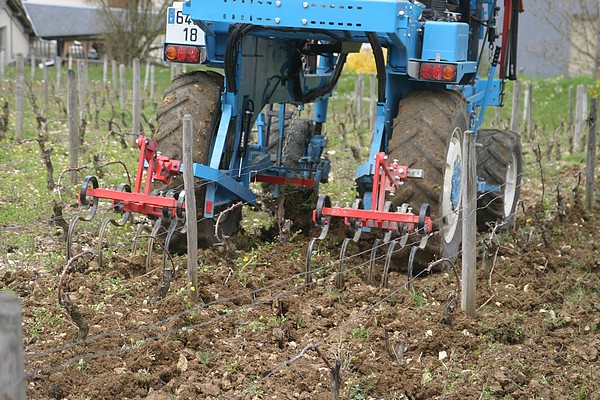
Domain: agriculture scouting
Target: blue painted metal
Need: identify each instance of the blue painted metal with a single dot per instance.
(455, 193)
(347, 15)
(484, 187)
(272, 66)
(443, 41)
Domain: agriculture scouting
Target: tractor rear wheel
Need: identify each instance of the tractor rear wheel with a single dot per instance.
(196, 93)
(499, 162)
(296, 202)
(428, 134)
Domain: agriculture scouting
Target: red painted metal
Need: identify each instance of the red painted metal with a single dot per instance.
(388, 176)
(280, 180)
(159, 169)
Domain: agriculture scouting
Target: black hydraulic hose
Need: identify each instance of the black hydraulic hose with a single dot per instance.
(236, 35)
(379, 64)
(320, 92)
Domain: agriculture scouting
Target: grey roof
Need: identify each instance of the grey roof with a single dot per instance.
(17, 11)
(56, 22)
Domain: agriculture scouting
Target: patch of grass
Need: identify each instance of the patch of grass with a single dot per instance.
(42, 320)
(334, 293)
(418, 298)
(360, 333)
(206, 357)
(82, 365)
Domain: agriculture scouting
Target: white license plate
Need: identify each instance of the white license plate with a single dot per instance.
(181, 29)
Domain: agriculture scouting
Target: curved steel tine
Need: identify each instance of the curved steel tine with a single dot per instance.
(404, 240)
(151, 239)
(136, 238)
(105, 222)
(308, 276)
(70, 236)
(388, 260)
(387, 237)
(90, 215)
(339, 278)
(376, 245)
(309, 251)
(170, 232)
(167, 274)
(411, 261)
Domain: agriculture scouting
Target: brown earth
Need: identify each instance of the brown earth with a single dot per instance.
(259, 331)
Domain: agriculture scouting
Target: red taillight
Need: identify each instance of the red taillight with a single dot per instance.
(438, 72)
(182, 54)
(426, 71)
(193, 54)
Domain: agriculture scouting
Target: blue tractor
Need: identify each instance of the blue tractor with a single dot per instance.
(276, 56)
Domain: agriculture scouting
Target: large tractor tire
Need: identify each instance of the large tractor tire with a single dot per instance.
(428, 134)
(499, 162)
(296, 203)
(196, 93)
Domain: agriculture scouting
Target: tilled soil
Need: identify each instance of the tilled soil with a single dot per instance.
(260, 330)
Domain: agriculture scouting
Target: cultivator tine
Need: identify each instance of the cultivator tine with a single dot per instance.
(170, 232)
(119, 208)
(93, 203)
(355, 226)
(126, 217)
(376, 245)
(323, 222)
(411, 261)
(151, 239)
(309, 251)
(339, 279)
(136, 239)
(421, 230)
(388, 261)
(167, 273)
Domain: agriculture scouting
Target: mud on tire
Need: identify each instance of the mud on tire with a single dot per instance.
(428, 128)
(499, 162)
(196, 93)
(297, 202)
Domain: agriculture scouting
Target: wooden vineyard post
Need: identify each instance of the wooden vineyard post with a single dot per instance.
(137, 101)
(105, 70)
(152, 82)
(359, 91)
(46, 83)
(516, 107)
(113, 70)
(72, 107)
(580, 111)
(12, 372)
(1, 64)
(32, 61)
(469, 225)
(123, 84)
(58, 66)
(146, 76)
(528, 110)
(590, 168)
(19, 98)
(80, 88)
(190, 206)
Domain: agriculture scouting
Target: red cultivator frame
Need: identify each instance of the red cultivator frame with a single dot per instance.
(387, 178)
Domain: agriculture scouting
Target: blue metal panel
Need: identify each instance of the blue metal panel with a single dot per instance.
(348, 15)
(223, 180)
(445, 41)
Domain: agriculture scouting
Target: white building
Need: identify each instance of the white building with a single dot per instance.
(15, 30)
